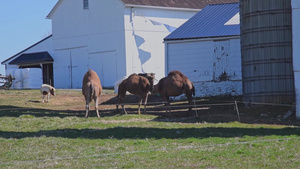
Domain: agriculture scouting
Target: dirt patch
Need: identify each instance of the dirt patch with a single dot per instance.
(213, 110)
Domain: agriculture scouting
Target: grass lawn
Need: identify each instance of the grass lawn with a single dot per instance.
(56, 135)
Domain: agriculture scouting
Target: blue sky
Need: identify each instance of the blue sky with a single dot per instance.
(22, 23)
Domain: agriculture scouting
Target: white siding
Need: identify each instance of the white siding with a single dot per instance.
(145, 51)
(213, 66)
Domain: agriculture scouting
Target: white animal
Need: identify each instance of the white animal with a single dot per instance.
(46, 90)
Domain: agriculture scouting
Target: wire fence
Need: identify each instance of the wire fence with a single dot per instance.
(195, 106)
(180, 104)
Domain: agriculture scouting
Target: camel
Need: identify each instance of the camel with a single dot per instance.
(139, 85)
(175, 84)
(91, 89)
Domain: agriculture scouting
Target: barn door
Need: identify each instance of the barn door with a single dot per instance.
(221, 53)
(62, 71)
(109, 69)
(48, 74)
(105, 66)
(78, 67)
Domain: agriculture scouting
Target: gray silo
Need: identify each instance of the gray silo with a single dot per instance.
(266, 48)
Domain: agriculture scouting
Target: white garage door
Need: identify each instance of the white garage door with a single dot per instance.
(194, 59)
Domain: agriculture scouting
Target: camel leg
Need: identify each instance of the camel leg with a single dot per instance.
(169, 108)
(167, 104)
(145, 103)
(87, 107)
(96, 106)
(140, 102)
(124, 109)
(120, 101)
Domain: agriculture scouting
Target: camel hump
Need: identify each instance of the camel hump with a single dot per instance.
(176, 72)
(90, 72)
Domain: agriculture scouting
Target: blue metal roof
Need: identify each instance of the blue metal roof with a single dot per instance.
(209, 22)
(32, 58)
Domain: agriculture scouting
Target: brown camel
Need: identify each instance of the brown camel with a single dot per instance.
(91, 89)
(175, 84)
(139, 85)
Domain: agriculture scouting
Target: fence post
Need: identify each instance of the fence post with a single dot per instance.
(237, 110)
(196, 109)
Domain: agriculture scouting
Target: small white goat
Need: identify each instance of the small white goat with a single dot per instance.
(46, 90)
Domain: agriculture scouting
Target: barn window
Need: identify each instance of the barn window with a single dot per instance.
(85, 4)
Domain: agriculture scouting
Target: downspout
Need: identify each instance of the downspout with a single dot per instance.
(296, 52)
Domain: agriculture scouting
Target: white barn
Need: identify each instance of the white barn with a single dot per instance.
(207, 50)
(114, 37)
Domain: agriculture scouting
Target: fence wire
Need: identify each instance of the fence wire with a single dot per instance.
(195, 104)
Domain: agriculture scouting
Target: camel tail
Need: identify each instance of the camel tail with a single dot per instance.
(92, 90)
(193, 90)
(119, 92)
(120, 88)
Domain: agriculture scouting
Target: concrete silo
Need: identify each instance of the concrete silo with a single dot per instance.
(266, 48)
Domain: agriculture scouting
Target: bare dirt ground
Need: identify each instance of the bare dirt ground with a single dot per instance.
(213, 110)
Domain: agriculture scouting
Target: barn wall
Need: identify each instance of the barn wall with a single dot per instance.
(144, 32)
(214, 66)
(88, 38)
(296, 51)
(108, 33)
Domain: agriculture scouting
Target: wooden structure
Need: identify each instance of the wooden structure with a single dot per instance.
(6, 80)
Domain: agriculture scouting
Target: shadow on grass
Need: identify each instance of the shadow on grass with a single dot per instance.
(13, 111)
(155, 133)
(206, 114)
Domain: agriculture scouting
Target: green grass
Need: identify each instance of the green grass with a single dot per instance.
(53, 135)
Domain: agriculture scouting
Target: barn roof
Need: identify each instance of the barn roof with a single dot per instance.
(32, 58)
(192, 4)
(219, 20)
(179, 4)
